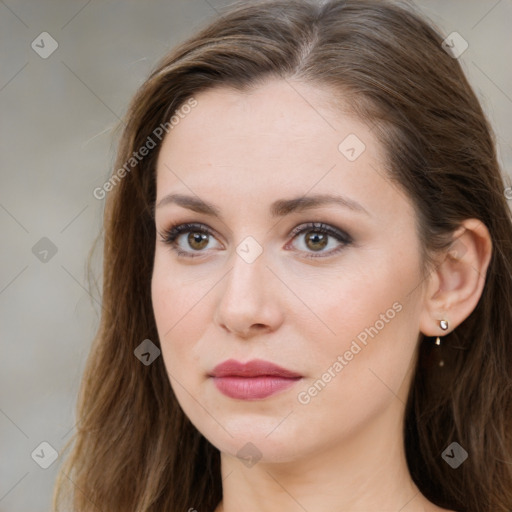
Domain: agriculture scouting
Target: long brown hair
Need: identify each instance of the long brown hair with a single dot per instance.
(134, 449)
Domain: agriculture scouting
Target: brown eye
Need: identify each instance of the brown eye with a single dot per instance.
(316, 237)
(197, 240)
(316, 241)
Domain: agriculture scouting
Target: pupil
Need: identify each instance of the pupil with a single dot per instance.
(197, 238)
(315, 238)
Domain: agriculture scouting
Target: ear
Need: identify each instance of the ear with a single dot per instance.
(454, 287)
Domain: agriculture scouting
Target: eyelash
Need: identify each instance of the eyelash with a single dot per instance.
(170, 235)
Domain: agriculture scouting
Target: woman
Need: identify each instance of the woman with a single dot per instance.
(307, 278)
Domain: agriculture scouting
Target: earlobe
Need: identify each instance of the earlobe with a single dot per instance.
(456, 285)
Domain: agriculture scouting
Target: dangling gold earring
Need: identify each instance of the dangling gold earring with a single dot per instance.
(444, 325)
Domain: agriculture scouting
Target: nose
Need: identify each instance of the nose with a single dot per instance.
(249, 301)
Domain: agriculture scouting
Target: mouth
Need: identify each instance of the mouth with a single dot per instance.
(254, 380)
(253, 388)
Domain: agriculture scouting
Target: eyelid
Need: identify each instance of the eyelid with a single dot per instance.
(322, 227)
(171, 234)
(339, 234)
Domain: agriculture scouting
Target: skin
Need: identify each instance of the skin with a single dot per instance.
(344, 449)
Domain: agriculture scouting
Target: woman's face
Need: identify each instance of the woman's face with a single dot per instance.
(338, 308)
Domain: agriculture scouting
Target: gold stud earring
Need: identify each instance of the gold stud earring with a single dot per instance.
(444, 325)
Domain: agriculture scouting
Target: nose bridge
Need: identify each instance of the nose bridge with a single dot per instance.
(246, 298)
(247, 274)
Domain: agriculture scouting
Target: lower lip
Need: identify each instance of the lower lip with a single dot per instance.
(252, 388)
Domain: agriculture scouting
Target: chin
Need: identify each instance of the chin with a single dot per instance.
(254, 440)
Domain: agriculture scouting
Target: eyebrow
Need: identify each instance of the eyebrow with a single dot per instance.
(278, 208)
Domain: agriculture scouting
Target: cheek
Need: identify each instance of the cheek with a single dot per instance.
(371, 320)
(181, 309)
(175, 298)
(363, 369)
(353, 300)
(173, 307)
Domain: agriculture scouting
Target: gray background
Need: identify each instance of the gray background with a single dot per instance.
(57, 121)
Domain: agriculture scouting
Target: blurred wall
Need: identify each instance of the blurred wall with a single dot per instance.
(67, 72)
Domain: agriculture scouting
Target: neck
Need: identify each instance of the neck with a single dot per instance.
(367, 471)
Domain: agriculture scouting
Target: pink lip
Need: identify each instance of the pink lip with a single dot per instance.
(253, 380)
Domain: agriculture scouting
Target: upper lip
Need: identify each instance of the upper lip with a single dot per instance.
(253, 368)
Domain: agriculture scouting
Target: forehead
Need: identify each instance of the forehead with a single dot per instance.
(279, 139)
(279, 118)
